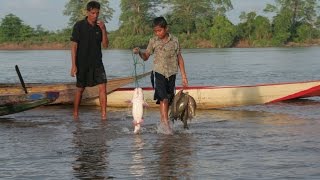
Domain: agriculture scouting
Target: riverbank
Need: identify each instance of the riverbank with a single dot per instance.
(64, 46)
(37, 46)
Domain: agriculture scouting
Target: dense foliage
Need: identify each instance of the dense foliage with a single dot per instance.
(197, 23)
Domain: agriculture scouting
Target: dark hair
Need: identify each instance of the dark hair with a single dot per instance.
(93, 5)
(160, 21)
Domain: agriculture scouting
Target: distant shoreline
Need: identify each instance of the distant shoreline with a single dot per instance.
(40, 46)
(66, 46)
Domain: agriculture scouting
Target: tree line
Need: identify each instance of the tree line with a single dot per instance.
(197, 23)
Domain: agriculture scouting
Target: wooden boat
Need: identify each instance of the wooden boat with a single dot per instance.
(67, 90)
(209, 97)
(10, 104)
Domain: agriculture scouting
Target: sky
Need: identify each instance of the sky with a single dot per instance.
(49, 13)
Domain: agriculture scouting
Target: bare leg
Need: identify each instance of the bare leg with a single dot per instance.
(77, 101)
(103, 100)
(164, 113)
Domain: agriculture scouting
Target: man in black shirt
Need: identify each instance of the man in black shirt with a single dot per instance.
(87, 37)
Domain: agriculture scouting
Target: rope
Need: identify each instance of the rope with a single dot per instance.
(137, 61)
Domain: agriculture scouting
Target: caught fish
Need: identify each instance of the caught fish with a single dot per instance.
(182, 103)
(137, 109)
(192, 106)
(183, 107)
(184, 117)
(173, 106)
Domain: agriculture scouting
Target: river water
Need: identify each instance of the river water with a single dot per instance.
(275, 141)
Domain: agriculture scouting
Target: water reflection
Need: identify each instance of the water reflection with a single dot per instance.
(91, 152)
(175, 156)
(138, 167)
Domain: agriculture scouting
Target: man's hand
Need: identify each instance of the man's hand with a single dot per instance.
(184, 82)
(73, 71)
(136, 50)
(101, 25)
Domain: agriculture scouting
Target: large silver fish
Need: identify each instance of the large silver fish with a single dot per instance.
(137, 108)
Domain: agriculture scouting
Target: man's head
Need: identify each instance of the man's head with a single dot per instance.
(93, 5)
(160, 28)
(160, 21)
(93, 9)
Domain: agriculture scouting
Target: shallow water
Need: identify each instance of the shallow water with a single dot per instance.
(275, 141)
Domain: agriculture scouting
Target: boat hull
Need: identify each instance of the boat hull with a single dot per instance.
(67, 90)
(17, 103)
(209, 97)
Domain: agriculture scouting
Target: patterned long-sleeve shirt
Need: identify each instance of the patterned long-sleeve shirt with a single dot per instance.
(165, 55)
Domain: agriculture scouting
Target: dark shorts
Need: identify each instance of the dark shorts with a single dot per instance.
(91, 76)
(164, 87)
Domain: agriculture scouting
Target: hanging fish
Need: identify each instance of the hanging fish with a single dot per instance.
(192, 106)
(173, 107)
(183, 107)
(137, 108)
(184, 117)
(182, 104)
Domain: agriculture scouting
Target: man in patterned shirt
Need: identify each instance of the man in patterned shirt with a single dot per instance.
(167, 59)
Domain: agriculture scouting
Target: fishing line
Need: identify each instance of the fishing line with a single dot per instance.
(137, 61)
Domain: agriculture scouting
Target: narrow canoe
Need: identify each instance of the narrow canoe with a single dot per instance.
(209, 97)
(10, 104)
(67, 90)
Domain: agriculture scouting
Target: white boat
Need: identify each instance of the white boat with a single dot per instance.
(209, 97)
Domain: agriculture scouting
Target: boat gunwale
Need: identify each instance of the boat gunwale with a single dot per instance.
(218, 87)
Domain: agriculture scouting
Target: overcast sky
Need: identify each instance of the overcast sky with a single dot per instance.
(49, 13)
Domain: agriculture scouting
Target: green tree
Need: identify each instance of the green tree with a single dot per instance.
(262, 28)
(302, 10)
(40, 31)
(305, 33)
(188, 13)
(202, 26)
(281, 28)
(291, 14)
(12, 29)
(76, 9)
(247, 26)
(254, 28)
(223, 32)
(136, 16)
(222, 6)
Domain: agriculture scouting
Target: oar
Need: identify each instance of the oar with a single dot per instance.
(21, 79)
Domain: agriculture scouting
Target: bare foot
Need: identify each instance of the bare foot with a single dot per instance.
(167, 128)
(104, 117)
(75, 116)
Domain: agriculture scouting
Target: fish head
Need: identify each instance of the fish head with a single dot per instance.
(137, 93)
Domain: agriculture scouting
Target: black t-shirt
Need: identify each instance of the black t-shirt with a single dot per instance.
(89, 39)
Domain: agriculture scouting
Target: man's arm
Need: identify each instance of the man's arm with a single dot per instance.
(144, 55)
(105, 40)
(74, 47)
(182, 70)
